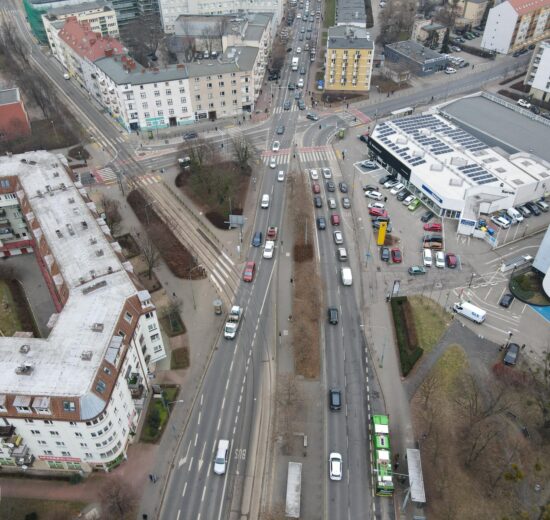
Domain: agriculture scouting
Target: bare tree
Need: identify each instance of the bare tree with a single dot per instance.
(142, 36)
(113, 218)
(540, 384)
(478, 438)
(117, 501)
(431, 384)
(242, 153)
(449, 13)
(149, 251)
(396, 21)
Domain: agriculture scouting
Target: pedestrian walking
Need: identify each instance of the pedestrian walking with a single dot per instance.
(385, 199)
(290, 317)
(151, 477)
(292, 281)
(523, 346)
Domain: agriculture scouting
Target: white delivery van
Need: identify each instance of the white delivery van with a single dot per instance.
(427, 257)
(515, 215)
(220, 461)
(347, 279)
(470, 311)
(265, 201)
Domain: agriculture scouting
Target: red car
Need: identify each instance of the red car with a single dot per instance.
(378, 212)
(396, 256)
(249, 270)
(451, 260)
(316, 188)
(335, 219)
(433, 227)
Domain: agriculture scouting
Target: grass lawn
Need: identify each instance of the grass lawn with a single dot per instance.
(9, 319)
(430, 320)
(450, 365)
(19, 508)
(330, 13)
(180, 358)
(158, 407)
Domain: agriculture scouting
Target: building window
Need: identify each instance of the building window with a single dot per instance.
(29, 420)
(198, 97)
(144, 95)
(159, 103)
(107, 370)
(69, 406)
(78, 434)
(144, 105)
(54, 433)
(157, 93)
(152, 327)
(47, 421)
(182, 90)
(66, 453)
(35, 432)
(168, 92)
(59, 443)
(155, 337)
(170, 102)
(100, 386)
(183, 100)
(148, 315)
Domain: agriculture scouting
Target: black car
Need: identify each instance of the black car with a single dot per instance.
(302, 70)
(535, 109)
(402, 195)
(343, 187)
(289, 49)
(333, 315)
(331, 186)
(506, 300)
(533, 208)
(257, 239)
(335, 399)
(385, 254)
(511, 356)
(312, 116)
(318, 201)
(281, 130)
(287, 105)
(427, 216)
(385, 178)
(369, 187)
(291, 86)
(321, 223)
(190, 135)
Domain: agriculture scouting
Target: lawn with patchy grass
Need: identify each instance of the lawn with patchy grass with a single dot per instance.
(449, 366)
(330, 13)
(23, 508)
(430, 320)
(157, 416)
(180, 358)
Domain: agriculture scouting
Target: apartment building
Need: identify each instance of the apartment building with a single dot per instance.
(538, 73)
(428, 31)
(349, 59)
(14, 120)
(471, 12)
(515, 24)
(73, 400)
(171, 10)
(99, 16)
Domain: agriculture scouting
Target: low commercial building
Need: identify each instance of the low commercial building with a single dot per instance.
(515, 24)
(349, 59)
(538, 73)
(456, 173)
(351, 12)
(14, 120)
(413, 56)
(73, 400)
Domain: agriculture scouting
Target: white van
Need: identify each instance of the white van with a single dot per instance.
(470, 311)
(346, 276)
(515, 215)
(221, 457)
(265, 201)
(427, 257)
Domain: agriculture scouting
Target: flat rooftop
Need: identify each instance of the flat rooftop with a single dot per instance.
(510, 128)
(66, 362)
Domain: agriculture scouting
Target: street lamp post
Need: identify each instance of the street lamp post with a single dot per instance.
(192, 291)
(471, 280)
(510, 334)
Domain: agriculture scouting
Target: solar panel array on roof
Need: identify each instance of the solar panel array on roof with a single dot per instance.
(477, 174)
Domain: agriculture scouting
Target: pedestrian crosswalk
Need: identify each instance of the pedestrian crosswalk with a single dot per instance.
(308, 156)
(105, 175)
(354, 117)
(281, 158)
(280, 110)
(145, 180)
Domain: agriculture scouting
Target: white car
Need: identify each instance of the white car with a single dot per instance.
(301, 83)
(338, 237)
(276, 146)
(408, 200)
(272, 163)
(269, 248)
(376, 195)
(327, 174)
(397, 188)
(377, 205)
(331, 203)
(335, 466)
(314, 175)
(450, 70)
(391, 183)
(440, 259)
(281, 176)
(66, 76)
(298, 50)
(524, 103)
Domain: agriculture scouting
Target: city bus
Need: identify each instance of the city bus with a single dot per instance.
(380, 434)
(402, 112)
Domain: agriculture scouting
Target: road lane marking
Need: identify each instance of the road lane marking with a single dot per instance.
(203, 492)
(219, 422)
(190, 464)
(223, 402)
(196, 438)
(183, 460)
(199, 420)
(184, 490)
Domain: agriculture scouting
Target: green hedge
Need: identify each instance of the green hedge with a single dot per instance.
(408, 354)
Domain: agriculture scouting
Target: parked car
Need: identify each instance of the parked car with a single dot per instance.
(451, 260)
(414, 204)
(533, 208)
(427, 216)
(435, 226)
(378, 205)
(249, 270)
(397, 188)
(408, 200)
(440, 259)
(376, 195)
(386, 178)
(511, 355)
(343, 187)
(369, 165)
(523, 103)
(385, 254)
(378, 212)
(396, 256)
(402, 195)
(390, 183)
(450, 70)
(506, 300)
(416, 269)
(376, 225)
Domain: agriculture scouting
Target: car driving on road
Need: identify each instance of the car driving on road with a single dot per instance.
(335, 466)
(249, 270)
(276, 146)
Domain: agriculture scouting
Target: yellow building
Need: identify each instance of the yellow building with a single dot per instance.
(349, 58)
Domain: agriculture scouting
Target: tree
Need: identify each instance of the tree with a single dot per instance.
(113, 218)
(396, 21)
(479, 438)
(142, 36)
(242, 153)
(540, 385)
(445, 44)
(149, 251)
(429, 387)
(117, 501)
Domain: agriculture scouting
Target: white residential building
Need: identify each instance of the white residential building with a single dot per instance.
(170, 10)
(538, 73)
(73, 400)
(516, 24)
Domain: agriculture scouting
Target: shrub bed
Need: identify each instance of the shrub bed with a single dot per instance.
(405, 331)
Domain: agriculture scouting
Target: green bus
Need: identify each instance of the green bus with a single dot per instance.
(380, 435)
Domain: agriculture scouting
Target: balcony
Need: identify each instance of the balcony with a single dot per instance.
(135, 384)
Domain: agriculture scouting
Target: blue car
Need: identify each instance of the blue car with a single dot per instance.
(257, 239)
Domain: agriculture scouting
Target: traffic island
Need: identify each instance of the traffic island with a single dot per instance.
(526, 286)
